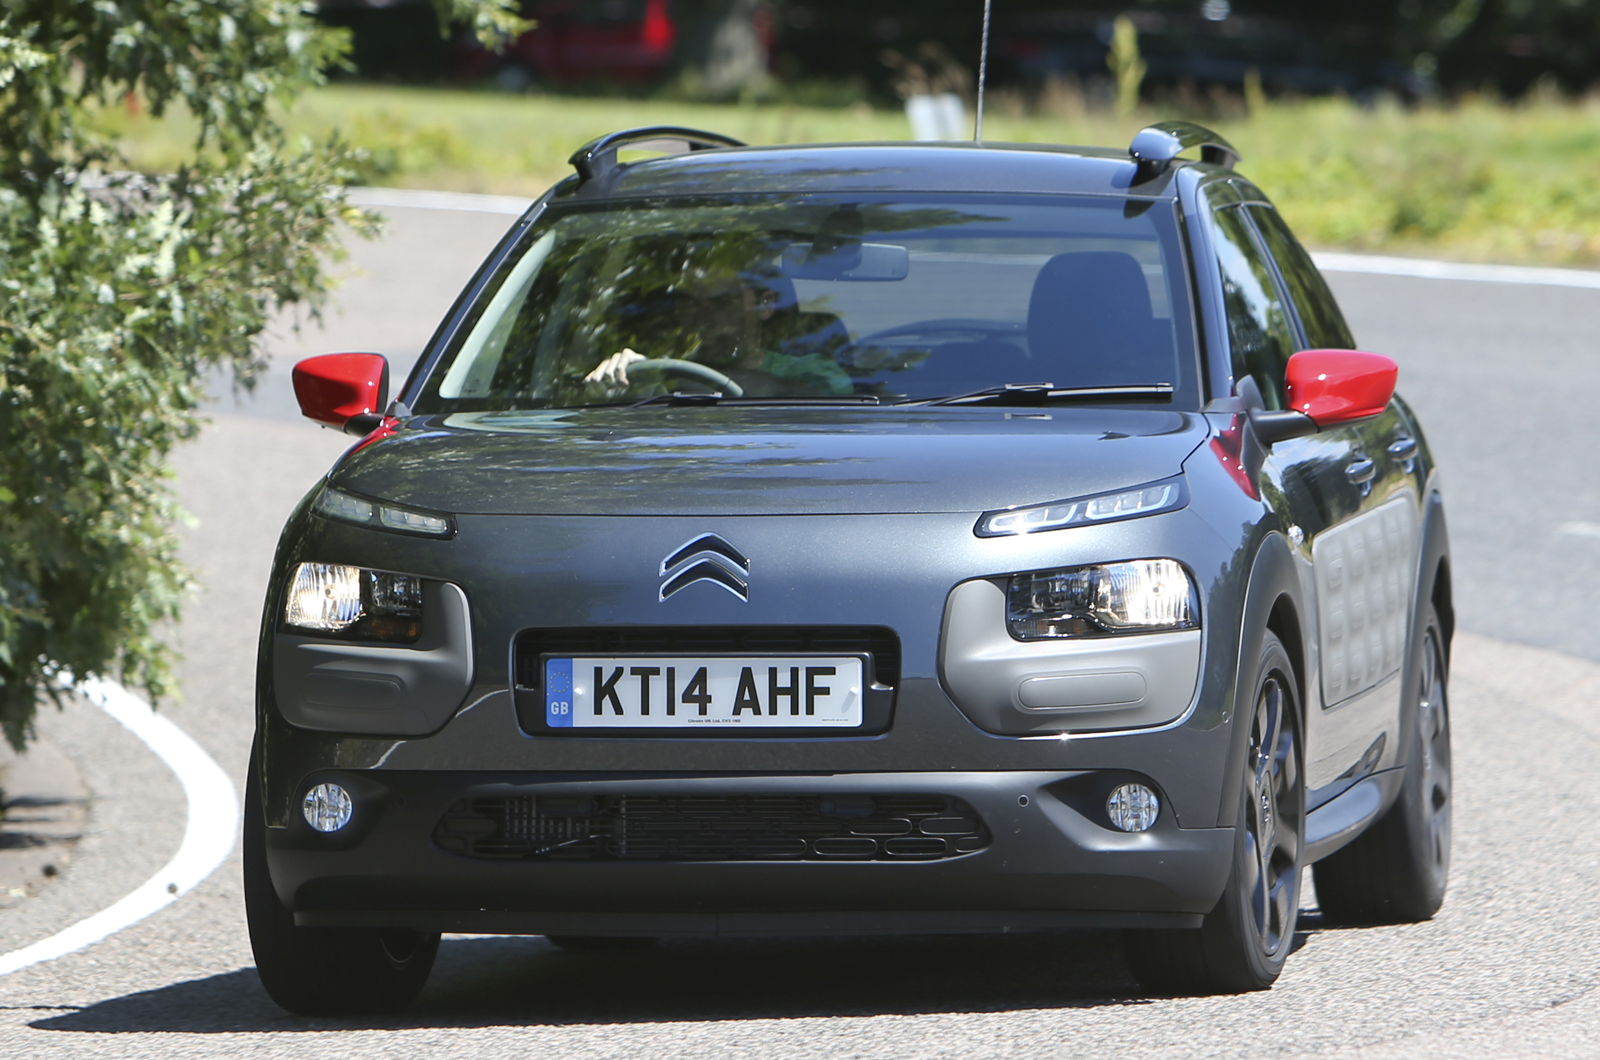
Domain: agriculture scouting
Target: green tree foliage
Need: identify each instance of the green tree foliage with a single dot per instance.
(119, 291)
(1508, 43)
(1461, 45)
(1456, 45)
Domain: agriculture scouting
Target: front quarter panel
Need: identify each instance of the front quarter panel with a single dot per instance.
(1268, 587)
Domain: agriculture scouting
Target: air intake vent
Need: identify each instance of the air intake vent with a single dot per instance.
(711, 828)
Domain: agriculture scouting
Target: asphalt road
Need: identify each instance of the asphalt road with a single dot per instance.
(1509, 968)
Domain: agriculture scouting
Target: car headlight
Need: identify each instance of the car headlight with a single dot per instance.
(1151, 499)
(381, 515)
(342, 601)
(1140, 596)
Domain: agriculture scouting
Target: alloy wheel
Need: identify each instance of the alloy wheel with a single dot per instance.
(1433, 730)
(1274, 823)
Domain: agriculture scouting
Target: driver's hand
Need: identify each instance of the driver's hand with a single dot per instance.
(612, 373)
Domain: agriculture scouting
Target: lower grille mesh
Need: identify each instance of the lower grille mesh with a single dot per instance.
(756, 827)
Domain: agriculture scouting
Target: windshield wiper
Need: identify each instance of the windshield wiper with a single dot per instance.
(1037, 393)
(679, 399)
(811, 399)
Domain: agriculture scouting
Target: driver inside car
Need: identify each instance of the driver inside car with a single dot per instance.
(751, 331)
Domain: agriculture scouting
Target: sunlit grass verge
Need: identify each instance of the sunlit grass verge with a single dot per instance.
(1478, 180)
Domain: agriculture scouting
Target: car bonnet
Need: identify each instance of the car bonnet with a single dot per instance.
(767, 461)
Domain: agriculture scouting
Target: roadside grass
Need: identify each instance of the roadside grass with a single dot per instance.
(1478, 180)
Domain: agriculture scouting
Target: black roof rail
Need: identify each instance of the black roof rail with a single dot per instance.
(600, 155)
(1157, 145)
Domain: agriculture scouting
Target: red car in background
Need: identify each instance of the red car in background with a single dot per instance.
(580, 40)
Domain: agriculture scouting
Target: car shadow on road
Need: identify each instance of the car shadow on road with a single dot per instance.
(527, 981)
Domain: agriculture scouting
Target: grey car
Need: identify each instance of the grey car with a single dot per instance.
(859, 539)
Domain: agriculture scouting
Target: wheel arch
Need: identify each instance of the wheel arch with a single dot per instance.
(1273, 604)
(1284, 622)
(1444, 600)
(1433, 586)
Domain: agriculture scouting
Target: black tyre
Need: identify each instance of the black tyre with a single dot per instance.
(1395, 872)
(1246, 938)
(324, 971)
(599, 943)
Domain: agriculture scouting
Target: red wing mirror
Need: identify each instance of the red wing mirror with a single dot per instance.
(1337, 386)
(344, 390)
(1327, 388)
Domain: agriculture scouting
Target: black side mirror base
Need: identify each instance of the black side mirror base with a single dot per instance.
(362, 424)
(1273, 427)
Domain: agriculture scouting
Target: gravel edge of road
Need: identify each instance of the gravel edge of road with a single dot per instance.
(128, 832)
(43, 806)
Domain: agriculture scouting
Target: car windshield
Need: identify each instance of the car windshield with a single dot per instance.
(815, 298)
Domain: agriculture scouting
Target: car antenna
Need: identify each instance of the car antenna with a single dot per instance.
(983, 73)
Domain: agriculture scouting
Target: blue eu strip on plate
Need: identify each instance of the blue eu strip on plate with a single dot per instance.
(558, 693)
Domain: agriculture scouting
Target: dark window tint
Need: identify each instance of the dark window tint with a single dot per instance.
(1258, 321)
(894, 297)
(1319, 314)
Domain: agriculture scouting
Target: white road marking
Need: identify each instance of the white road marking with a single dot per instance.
(1329, 261)
(1579, 529)
(207, 838)
(1427, 269)
(465, 202)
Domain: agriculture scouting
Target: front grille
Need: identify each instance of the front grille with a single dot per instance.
(755, 827)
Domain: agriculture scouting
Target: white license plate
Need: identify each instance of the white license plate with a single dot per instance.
(747, 692)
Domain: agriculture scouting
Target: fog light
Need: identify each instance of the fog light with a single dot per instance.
(1131, 807)
(327, 807)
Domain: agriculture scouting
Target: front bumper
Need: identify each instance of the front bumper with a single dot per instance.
(1047, 863)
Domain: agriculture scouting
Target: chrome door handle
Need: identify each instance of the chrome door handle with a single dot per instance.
(1360, 471)
(1403, 448)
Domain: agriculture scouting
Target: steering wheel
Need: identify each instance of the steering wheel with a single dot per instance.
(688, 370)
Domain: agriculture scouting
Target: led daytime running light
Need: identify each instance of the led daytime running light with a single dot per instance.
(348, 508)
(1156, 497)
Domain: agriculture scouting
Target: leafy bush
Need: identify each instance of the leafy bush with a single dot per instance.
(118, 291)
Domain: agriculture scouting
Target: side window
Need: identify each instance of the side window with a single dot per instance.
(1320, 318)
(1258, 321)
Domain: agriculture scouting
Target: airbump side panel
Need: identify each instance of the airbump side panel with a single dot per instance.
(1088, 684)
(340, 686)
(1365, 571)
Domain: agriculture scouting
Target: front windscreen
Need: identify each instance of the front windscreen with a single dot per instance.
(816, 298)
